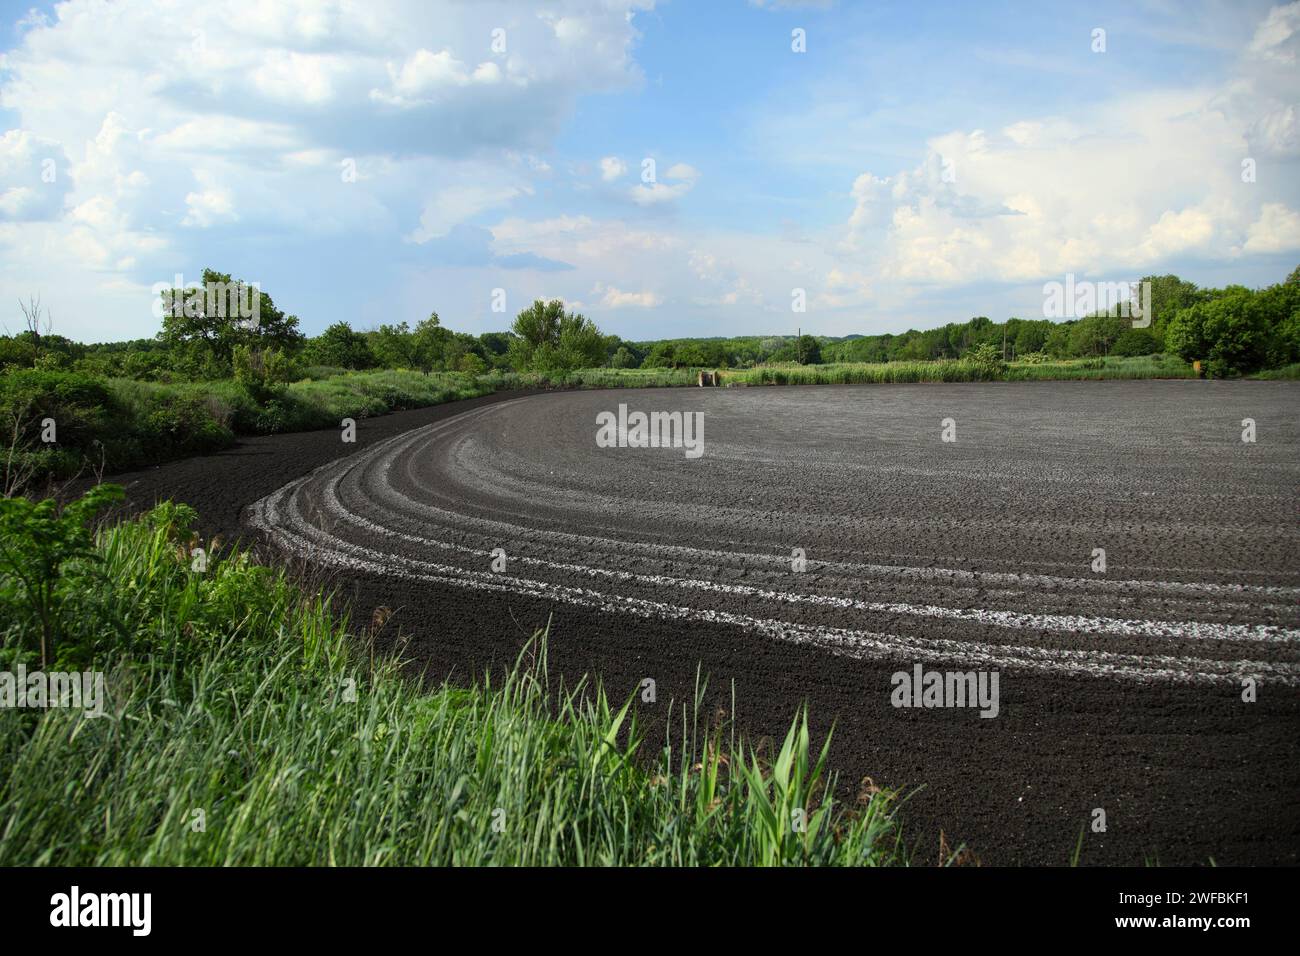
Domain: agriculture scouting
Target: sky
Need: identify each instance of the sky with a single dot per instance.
(667, 169)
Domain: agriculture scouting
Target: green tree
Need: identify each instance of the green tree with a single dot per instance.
(1136, 342)
(429, 344)
(1230, 332)
(340, 346)
(394, 346)
(807, 350)
(209, 322)
(549, 339)
(496, 348)
(1169, 294)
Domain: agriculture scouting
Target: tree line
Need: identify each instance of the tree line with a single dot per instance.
(1234, 330)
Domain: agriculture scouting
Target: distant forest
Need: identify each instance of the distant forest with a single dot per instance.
(1234, 330)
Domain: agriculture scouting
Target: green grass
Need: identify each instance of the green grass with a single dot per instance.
(234, 693)
(594, 378)
(317, 402)
(863, 373)
(1110, 367)
(123, 424)
(1285, 373)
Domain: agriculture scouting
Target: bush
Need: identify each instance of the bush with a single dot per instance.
(1230, 332)
(1132, 342)
(79, 404)
(39, 544)
(263, 373)
(986, 361)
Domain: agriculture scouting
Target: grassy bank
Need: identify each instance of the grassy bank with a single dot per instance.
(876, 373)
(1285, 373)
(116, 425)
(245, 727)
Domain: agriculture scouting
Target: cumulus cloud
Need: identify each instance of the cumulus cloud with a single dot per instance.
(34, 177)
(677, 181)
(1276, 230)
(1159, 178)
(448, 207)
(210, 205)
(612, 298)
(611, 168)
(390, 120)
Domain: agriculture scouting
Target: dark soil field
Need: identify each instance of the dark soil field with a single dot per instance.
(1120, 689)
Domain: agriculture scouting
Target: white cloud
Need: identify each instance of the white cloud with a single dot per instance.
(611, 168)
(1159, 178)
(677, 181)
(427, 76)
(210, 205)
(33, 177)
(454, 205)
(1276, 230)
(169, 119)
(613, 298)
(1274, 36)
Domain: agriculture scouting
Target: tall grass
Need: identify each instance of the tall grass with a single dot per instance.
(594, 378)
(316, 402)
(1284, 373)
(876, 373)
(247, 728)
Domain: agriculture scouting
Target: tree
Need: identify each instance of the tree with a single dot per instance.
(1169, 294)
(581, 343)
(209, 322)
(393, 346)
(1030, 336)
(340, 346)
(1281, 305)
(496, 348)
(1230, 332)
(1136, 342)
(31, 310)
(549, 339)
(807, 350)
(429, 344)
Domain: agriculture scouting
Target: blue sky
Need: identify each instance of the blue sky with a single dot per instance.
(917, 164)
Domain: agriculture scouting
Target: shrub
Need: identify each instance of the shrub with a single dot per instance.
(263, 373)
(986, 361)
(1132, 342)
(1230, 332)
(38, 542)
